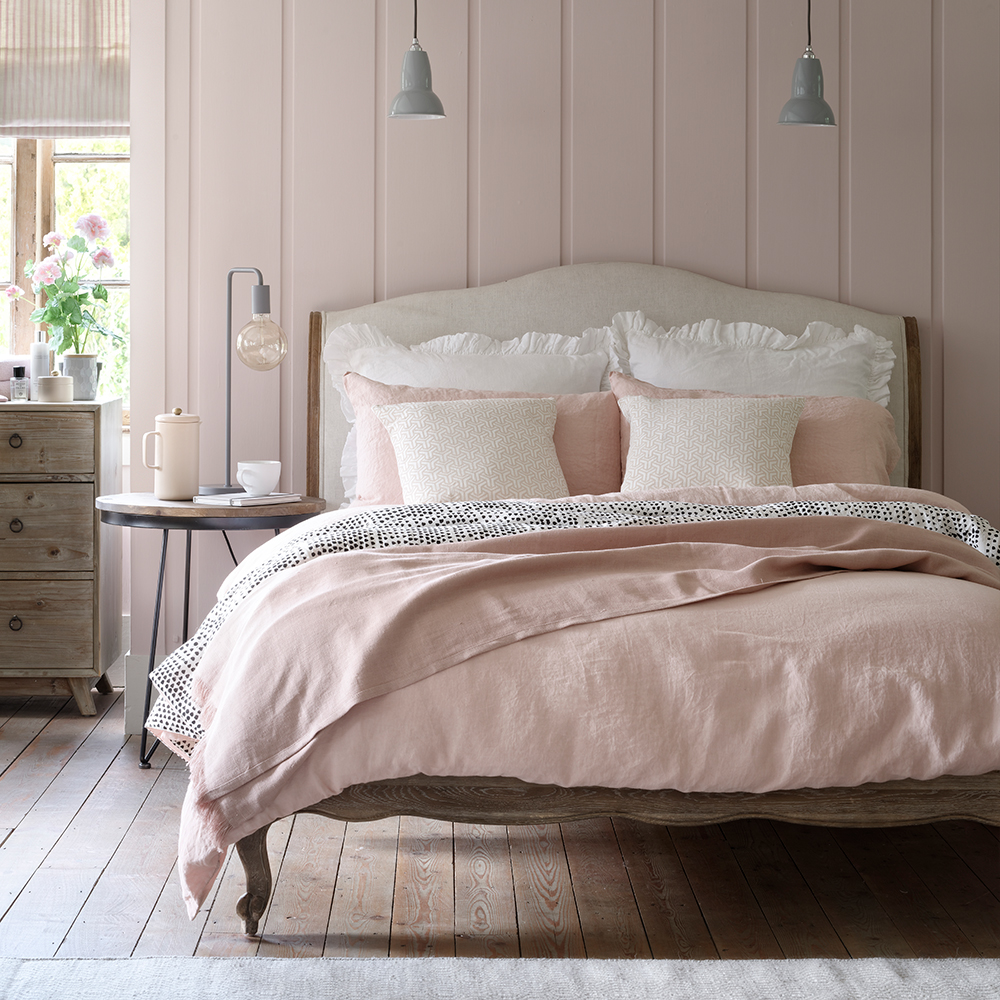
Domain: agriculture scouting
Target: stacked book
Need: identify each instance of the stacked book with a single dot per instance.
(245, 500)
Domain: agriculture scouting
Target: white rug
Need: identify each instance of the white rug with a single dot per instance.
(496, 979)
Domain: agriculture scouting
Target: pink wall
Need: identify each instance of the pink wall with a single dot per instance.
(578, 130)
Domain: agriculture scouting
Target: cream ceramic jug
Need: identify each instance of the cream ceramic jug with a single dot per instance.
(175, 455)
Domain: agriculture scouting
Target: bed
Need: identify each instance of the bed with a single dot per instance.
(529, 660)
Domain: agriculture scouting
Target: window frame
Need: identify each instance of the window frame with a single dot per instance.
(34, 212)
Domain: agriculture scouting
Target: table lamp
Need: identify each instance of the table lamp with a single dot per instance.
(260, 345)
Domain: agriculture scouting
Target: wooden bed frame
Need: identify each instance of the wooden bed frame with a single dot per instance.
(509, 801)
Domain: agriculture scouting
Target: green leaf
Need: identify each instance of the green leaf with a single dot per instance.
(77, 242)
(100, 293)
(59, 340)
(100, 328)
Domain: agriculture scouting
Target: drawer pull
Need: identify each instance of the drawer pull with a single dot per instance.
(15, 440)
(16, 525)
(16, 624)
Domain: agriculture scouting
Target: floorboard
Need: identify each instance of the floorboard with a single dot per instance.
(423, 906)
(977, 847)
(40, 738)
(904, 894)
(547, 917)
(366, 880)
(88, 868)
(303, 894)
(734, 917)
(485, 915)
(115, 914)
(955, 886)
(862, 923)
(795, 918)
(9, 707)
(167, 930)
(53, 811)
(609, 915)
(675, 927)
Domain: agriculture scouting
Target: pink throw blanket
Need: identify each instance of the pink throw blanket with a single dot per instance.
(340, 630)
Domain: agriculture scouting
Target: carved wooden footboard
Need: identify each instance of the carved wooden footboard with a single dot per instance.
(511, 802)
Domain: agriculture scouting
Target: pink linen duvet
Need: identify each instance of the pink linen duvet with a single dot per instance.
(721, 640)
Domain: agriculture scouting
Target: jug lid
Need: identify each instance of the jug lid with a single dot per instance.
(178, 416)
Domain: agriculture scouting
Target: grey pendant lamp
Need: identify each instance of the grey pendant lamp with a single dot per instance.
(806, 105)
(416, 99)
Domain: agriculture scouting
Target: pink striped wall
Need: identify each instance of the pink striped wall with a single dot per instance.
(577, 130)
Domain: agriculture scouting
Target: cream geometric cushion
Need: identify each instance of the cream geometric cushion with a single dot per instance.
(737, 441)
(475, 449)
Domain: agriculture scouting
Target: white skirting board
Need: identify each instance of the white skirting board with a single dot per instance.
(136, 665)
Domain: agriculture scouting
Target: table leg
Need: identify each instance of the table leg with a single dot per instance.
(187, 585)
(144, 756)
(236, 561)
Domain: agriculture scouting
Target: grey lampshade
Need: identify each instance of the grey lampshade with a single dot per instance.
(416, 99)
(806, 105)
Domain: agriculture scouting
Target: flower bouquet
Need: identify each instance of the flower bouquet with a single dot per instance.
(70, 297)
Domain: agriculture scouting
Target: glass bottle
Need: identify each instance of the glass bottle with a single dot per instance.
(19, 385)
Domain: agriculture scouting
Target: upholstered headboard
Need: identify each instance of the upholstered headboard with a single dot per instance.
(571, 299)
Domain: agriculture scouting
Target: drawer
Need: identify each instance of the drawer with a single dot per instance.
(46, 526)
(46, 627)
(45, 444)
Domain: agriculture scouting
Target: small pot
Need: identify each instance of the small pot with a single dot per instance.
(85, 370)
(55, 388)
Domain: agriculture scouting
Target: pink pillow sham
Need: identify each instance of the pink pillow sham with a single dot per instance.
(587, 436)
(839, 439)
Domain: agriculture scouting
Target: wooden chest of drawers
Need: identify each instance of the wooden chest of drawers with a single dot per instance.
(60, 568)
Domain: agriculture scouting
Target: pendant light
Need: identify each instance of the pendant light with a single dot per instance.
(416, 99)
(806, 105)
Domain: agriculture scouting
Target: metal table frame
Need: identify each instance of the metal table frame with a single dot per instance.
(244, 521)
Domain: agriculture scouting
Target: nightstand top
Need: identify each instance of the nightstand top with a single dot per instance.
(144, 510)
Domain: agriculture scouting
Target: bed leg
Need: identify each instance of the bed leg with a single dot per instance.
(252, 850)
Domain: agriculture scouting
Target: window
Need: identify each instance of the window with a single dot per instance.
(46, 185)
(6, 238)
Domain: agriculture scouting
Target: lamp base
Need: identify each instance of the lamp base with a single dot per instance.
(208, 491)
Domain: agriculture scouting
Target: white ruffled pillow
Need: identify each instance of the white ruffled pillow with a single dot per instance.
(475, 449)
(733, 441)
(534, 362)
(750, 359)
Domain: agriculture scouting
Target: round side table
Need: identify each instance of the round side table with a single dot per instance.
(144, 510)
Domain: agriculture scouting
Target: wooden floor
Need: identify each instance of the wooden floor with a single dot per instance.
(87, 868)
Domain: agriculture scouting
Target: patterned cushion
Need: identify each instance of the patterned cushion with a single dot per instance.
(475, 449)
(738, 441)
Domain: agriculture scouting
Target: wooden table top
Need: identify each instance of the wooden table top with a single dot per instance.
(144, 509)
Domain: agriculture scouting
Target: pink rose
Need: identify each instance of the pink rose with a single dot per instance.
(13, 292)
(92, 228)
(47, 273)
(102, 257)
(53, 240)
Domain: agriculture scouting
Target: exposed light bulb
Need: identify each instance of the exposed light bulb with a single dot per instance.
(261, 344)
